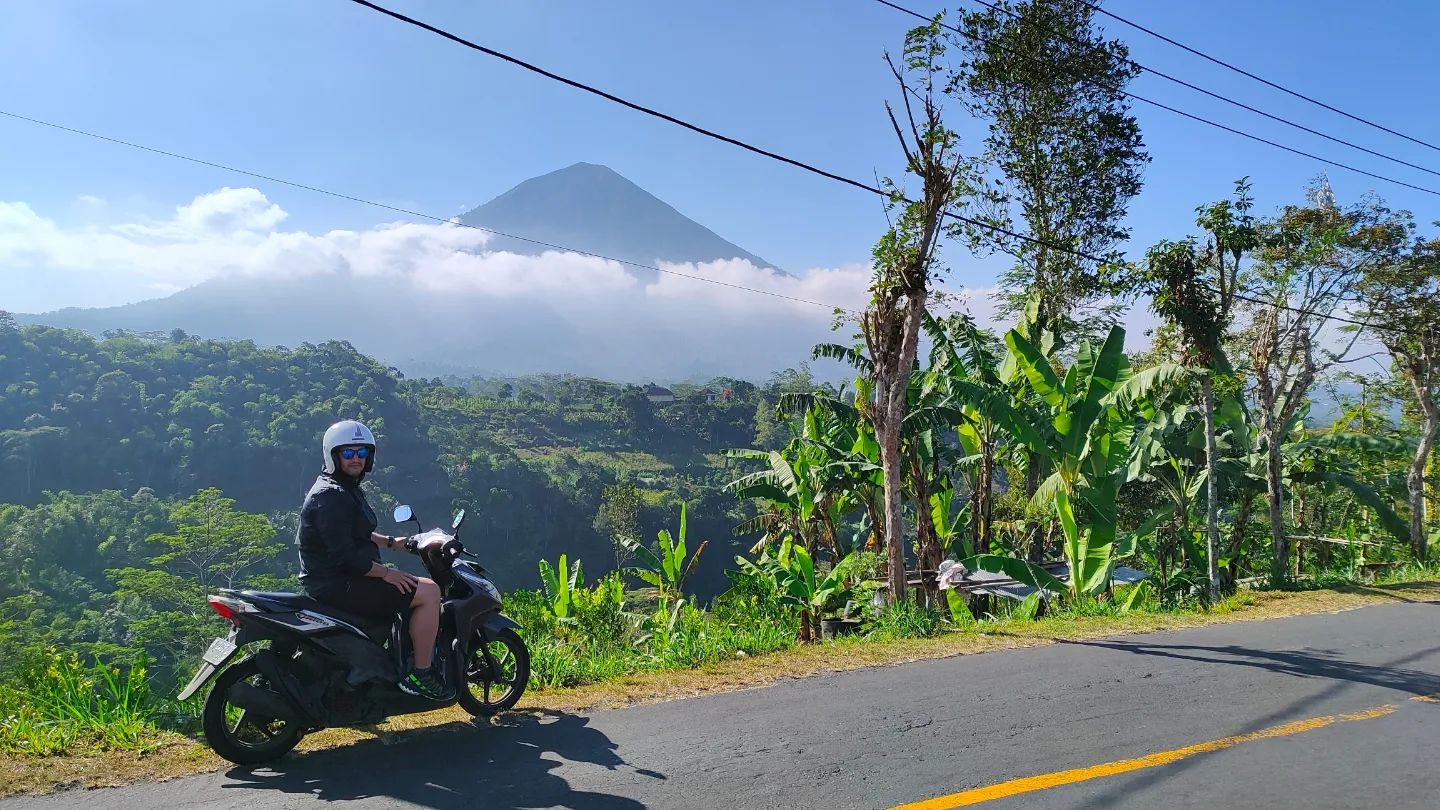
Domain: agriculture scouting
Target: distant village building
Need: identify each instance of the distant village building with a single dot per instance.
(713, 396)
(655, 393)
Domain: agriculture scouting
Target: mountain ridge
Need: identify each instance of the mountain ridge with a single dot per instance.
(505, 324)
(591, 208)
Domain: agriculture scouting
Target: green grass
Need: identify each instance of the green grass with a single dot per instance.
(604, 642)
(53, 702)
(907, 620)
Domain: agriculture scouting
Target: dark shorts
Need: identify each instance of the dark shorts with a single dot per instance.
(371, 597)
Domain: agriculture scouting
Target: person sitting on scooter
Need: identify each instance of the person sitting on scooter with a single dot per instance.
(340, 554)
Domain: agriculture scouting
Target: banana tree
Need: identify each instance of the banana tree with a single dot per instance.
(668, 565)
(924, 456)
(949, 395)
(809, 487)
(1093, 409)
(1172, 445)
(965, 366)
(791, 572)
(560, 585)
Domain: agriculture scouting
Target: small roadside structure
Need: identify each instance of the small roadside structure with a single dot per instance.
(953, 575)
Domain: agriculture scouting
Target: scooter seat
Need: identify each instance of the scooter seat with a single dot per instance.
(285, 602)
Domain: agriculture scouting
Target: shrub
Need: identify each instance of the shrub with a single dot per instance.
(906, 619)
(53, 701)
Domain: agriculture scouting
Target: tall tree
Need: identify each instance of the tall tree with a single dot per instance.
(214, 545)
(1311, 259)
(1401, 304)
(618, 518)
(1195, 289)
(906, 262)
(1067, 150)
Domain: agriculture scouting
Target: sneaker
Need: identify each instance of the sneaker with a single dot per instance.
(422, 682)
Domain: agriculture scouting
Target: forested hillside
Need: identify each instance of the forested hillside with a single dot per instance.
(106, 446)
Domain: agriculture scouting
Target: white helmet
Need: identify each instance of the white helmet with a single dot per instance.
(348, 432)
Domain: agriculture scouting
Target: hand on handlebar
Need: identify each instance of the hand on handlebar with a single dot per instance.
(427, 540)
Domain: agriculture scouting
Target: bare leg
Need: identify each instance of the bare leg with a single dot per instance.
(424, 621)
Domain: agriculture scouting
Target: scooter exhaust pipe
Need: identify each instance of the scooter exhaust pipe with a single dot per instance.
(262, 702)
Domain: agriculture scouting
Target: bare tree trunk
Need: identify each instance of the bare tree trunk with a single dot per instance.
(894, 516)
(987, 497)
(1237, 536)
(1034, 545)
(1274, 495)
(1415, 483)
(1212, 488)
(926, 534)
(893, 385)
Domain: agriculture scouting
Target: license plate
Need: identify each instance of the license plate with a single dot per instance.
(220, 650)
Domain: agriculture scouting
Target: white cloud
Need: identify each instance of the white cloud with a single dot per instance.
(557, 311)
(234, 232)
(228, 210)
(639, 320)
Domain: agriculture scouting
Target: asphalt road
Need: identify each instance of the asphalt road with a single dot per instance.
(891, 736)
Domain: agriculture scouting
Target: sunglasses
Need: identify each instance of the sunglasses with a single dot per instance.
(350, 452)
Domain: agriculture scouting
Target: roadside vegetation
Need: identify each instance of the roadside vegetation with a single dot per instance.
(733, 533)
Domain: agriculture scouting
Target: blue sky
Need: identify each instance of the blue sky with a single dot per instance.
(328, 93)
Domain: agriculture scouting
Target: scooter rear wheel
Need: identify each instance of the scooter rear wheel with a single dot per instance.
(234, 733)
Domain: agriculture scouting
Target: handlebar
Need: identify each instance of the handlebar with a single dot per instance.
(450, 550)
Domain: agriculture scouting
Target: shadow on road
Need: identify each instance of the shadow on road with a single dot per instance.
(1429, 588)
(1305, 664)
(492, 766)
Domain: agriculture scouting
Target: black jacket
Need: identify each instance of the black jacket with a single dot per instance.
(334, 534)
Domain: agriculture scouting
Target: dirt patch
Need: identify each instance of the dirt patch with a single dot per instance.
(171, 755)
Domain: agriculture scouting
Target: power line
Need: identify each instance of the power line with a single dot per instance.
(451, 221)
(1260, 79)
(406, 211)
(444, 220)
(612, 97)
(1231, 101)
(1192, 116)
(686, 124)
(806, 166)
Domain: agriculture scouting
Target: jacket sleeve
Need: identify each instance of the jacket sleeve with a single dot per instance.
(334, 522)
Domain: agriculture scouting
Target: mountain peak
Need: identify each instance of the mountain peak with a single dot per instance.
(592, 208)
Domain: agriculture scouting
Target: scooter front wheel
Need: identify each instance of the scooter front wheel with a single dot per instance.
(486, 691)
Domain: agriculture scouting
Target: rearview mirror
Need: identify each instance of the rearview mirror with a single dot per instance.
(459, 518)
(404, 513)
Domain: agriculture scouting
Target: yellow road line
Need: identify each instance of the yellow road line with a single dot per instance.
(1030, 784)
